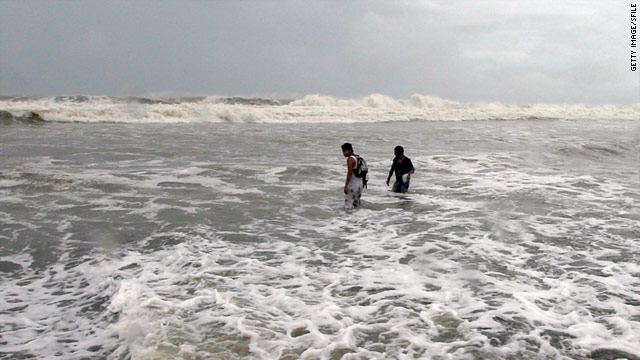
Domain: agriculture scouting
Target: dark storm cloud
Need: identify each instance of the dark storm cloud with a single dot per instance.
(528, 51)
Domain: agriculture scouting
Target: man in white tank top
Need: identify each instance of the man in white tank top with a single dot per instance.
(353, 185)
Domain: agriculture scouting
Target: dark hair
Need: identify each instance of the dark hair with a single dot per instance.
(398, 149)
(347, 146)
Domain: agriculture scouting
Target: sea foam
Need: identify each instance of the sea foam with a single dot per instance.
(309, 109)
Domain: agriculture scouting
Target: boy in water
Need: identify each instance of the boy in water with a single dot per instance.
(403, 168)
(353, 185)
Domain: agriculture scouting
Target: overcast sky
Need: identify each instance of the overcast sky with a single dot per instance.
(544, 51)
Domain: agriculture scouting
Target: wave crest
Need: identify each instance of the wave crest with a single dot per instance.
(28, 118)
(309, 109)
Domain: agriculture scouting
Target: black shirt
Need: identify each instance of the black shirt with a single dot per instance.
(402, 168)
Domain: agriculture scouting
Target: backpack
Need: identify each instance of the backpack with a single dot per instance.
(361, 170)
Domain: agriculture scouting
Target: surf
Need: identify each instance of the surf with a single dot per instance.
(308, 109)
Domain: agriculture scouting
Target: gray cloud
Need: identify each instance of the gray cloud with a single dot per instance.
(526, 51)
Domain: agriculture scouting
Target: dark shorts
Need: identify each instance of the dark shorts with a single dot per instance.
(400, 187)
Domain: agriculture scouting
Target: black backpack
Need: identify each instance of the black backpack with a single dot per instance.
(361, 170)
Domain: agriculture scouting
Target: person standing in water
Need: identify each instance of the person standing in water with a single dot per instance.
(354, 183)
(403, 169)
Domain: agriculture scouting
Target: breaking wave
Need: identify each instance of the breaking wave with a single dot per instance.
(310, 109)
(29, 118)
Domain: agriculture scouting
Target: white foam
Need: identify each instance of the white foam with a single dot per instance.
(482, 259)
(310, 109)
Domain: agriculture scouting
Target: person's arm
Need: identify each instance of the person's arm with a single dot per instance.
(391, 172)
(351, 163)
(405, 177)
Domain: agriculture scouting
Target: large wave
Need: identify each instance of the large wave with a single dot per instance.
(310, 109)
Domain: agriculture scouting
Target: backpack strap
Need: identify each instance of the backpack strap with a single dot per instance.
(355, 157)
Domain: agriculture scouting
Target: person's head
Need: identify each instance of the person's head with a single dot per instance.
(399, 151)
(347, 149)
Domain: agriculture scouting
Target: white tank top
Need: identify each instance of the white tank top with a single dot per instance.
(355, 181)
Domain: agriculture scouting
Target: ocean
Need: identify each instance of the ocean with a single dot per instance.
(214, 228)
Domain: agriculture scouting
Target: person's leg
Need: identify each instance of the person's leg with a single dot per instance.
(397, 187)
(348, 202)
(357, 193)
(352, 198)
(405, 186)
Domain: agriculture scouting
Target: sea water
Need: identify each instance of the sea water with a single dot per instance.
(134, 237)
